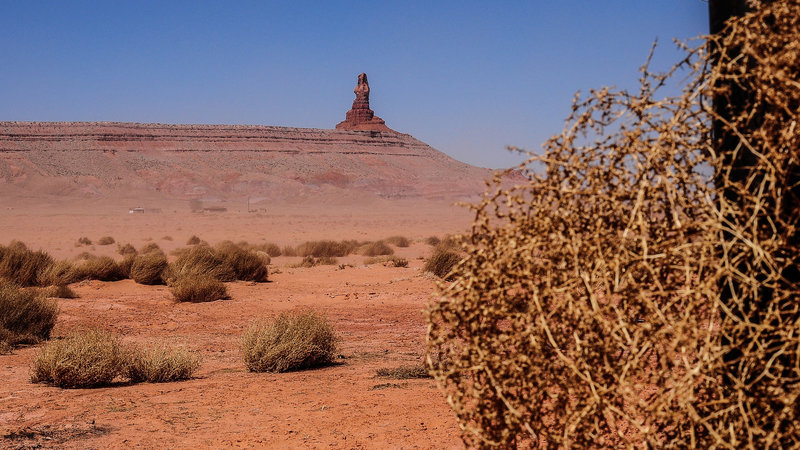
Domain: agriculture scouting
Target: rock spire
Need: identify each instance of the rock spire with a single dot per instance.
(360, 117)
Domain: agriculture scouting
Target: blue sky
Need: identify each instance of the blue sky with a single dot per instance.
(467, 77)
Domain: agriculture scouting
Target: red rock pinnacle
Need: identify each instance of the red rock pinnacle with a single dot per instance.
(360, 117)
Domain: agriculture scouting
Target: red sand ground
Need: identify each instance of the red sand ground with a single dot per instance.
(377, 311)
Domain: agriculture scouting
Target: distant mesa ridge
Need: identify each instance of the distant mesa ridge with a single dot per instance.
(362, 156)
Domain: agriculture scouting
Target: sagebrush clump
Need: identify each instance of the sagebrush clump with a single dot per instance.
(289, 342)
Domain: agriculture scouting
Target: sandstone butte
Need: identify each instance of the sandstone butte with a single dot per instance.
(362, 156)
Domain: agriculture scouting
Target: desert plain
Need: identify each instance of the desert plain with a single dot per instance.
(50, 199)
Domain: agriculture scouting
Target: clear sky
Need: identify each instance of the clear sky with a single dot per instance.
(467, 77)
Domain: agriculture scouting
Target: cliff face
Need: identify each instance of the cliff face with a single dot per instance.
(186, 161)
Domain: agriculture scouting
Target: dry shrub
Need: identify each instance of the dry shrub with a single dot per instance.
(22, 265)
(198, 288)
(25, 316)
(106, 240)
(148, 268)
(166, 238)
(161, 364)
(194, 240)
(310, 261)
(57, 274)
(126, 264)
(326, 248)
(150, 247)
(638, 291)
(201, 260)
(289, 251)
(101, 268)
(404, 372)
(60, 291)
(289, 342)
(271, 249)
(83, 359)
(246, 265)
(393, 261)
(83, 241)
(127, 250)
(377, 248)
(442, 262)
(398, 241)
(433, 241)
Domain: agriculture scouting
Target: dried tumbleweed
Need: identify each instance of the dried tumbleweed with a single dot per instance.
(639, 290)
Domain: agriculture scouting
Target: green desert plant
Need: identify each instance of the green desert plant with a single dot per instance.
(88, 358)
(198, 288)
(289, 342)
(442, 262)
(25, 316)
(106, 240)
(160, 364)
(148, 268)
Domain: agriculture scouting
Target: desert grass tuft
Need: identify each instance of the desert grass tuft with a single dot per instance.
(398, 241)
(377, 248)
(327, 248)
(101, 268)
(106, 240)
(246, 265)
(126, 250)
(289, 251)
(161, 364)
(25, 316)
(194, 240)
(22, 265)
(150, 247)
(310, 261)
(83, 241)
(198, 289)
(404, 372)
(442, 262)
(289, 342)
(392, 261)
(61, 291)
(148, 268)
(83, 359)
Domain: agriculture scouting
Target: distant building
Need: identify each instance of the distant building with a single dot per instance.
(136, 210)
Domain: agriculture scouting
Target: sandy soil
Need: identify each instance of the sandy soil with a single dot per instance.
(377, 311)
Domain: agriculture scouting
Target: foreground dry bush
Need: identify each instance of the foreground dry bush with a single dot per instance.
(637, 291)
(58, 292)
(25, 316)
(84, 359)
(93, 358)
(101, 268)
(160, 364)
(198, 289)
(289, 342)
(22, 265)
